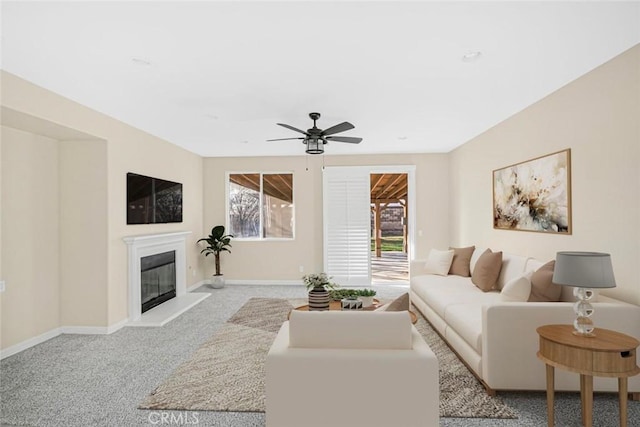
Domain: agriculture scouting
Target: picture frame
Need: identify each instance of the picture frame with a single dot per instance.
(534, 195)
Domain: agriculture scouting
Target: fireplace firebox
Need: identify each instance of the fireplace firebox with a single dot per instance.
(157, 279)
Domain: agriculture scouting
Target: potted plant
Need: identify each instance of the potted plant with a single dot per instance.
(318, 286)
(217, 242)
(340, 294)
(366, 295)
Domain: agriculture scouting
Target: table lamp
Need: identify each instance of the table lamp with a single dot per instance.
(585, 271)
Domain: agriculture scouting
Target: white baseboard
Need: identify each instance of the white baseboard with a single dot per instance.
(263, 282)
(117, 326)
(85, 330)
(17, 348)
(93, 330)
(196, 285)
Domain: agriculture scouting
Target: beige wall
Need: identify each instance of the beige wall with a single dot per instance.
(137, 152)
(127, 150)
(30, 236)
(597, 116)
(83, 233)
(280, 260)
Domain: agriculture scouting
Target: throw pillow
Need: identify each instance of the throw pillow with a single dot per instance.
(461, 261)
(542, 287)
(517, 289)
(439, 262)
(487, 269)
(399, 304)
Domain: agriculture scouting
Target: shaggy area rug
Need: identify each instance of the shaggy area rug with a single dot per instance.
(227, 372)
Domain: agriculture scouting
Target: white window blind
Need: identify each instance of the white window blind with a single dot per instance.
(347, 225)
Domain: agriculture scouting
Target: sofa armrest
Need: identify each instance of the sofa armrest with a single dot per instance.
(510, 341)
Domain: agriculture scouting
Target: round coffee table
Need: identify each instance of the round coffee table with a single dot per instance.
(337, 305)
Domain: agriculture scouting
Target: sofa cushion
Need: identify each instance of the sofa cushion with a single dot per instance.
(466, 320)
(350, 330)
(439, 262)
(487, 269)
(512, 267)
(440, 292)
(542, 287)
(461, 261)
(517, 289)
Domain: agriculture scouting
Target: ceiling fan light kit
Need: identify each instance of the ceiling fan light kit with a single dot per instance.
(316, 138)
(314, 146)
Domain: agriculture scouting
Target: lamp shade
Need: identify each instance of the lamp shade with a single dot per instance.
(584, 270)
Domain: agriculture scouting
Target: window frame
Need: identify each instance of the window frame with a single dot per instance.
(260, 238)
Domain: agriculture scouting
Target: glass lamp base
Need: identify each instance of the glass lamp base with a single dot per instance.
(583, 324)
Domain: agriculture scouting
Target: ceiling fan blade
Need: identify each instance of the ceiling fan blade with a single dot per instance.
(338, 128)
(292, 128)
(282, 139)
(350, 139)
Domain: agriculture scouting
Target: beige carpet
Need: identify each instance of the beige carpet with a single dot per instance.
(227, 372)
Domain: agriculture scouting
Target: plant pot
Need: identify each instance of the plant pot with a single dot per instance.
(366, 301)
(217, 281)
(351, 304)
(319, 299)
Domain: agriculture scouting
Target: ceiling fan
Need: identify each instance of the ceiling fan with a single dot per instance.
(316, 138)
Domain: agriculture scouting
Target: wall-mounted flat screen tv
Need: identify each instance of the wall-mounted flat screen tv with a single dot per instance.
(152, 200)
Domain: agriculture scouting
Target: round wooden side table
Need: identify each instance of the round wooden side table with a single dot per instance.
(608, 354)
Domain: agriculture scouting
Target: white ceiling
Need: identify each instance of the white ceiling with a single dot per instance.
(222, 74)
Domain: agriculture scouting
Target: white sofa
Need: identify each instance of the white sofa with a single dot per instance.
(497, 340)
(351, 369)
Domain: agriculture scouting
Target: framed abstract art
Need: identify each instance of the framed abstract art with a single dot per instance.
(534, 195)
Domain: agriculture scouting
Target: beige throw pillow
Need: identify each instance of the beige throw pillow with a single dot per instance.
(542, 287)
(399, 304)
(487, 269)
(461, 261)
(517, 289)
(439, 262)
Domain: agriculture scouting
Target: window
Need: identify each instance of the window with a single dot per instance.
(261, 205)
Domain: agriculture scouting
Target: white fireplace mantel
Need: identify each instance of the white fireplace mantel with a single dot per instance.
(152, 244)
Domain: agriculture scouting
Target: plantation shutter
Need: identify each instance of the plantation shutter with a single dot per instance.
(347, 225)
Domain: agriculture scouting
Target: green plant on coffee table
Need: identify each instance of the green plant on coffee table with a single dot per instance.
(366, 293)
(339, 294)
(318, 281)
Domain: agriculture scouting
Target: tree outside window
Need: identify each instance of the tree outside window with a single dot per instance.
(261, 205)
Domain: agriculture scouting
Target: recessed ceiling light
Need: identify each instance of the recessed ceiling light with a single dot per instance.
(140, 61)
(244, 142)
(471, 56)
(211, 116)
(402, 138)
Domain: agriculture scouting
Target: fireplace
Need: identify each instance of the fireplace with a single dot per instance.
(143, 248)
(157, 279)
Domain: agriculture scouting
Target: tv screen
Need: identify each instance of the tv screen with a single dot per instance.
(152, 200)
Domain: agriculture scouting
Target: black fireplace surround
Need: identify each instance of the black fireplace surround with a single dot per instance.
(157, 279)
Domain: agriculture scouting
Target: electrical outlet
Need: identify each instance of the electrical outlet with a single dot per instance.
(2, 287)
(302, 269)
(193, 273)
